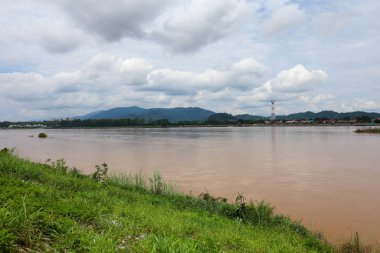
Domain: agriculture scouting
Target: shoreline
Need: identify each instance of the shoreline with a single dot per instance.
(204, 126)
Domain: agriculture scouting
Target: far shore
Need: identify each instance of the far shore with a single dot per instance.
(366, 130)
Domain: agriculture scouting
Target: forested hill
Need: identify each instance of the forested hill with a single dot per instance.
(196, 114)
(171, 114)
(329, 115)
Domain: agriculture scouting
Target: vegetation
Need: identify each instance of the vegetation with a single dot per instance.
(42, 135)
(368, 130)
(53, 208)
(221, 118)
(324, 115)
(356, 246)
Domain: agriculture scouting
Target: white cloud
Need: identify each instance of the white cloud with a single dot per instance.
(45, 27)
(289, 85)
(283, 17)
(197, 24)
(242, 75)
(24, 87)
(332, 23)
(360, 105)
(322, 97)
(296, 79)
(59, 38)
(249, 66)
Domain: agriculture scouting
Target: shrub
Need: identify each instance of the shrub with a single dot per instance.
(101, 173)
(157, 184)
(42, 135)
(60, 165)
(354, 246)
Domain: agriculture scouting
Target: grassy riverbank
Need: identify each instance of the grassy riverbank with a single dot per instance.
(52, 208)
(368, 130)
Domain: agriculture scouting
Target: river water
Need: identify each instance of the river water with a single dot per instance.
(326, 177)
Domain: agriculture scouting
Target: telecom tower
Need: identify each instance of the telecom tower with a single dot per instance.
(273, 115)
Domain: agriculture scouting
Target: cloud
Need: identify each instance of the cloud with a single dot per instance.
(59, 38)
(322, 97)
(185, 82)
(249, 66)
(24, 87)
(283, 17)
(359, 105)
(296, 79)
(242, 75)
(35, 24)
(197, 24)
(180, 26)
(114, 19)
(108, 69)
(332, 23)
(289, 85)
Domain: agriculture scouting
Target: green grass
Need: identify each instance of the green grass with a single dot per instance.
(52, 208)
(368, 130)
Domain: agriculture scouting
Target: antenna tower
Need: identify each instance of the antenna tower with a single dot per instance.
(273, 115)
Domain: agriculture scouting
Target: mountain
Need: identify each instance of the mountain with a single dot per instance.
(198, 114)
(171, 114)
(119, 113)
(328, 115)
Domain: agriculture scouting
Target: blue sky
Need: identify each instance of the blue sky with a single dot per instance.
(65, 58)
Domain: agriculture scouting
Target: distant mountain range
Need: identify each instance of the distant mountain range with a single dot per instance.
(198, 114)
(328, 115)
(171, 114)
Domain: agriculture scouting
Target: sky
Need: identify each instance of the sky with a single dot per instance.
(61, 58)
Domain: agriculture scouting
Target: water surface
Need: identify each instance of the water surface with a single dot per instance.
(327, 177)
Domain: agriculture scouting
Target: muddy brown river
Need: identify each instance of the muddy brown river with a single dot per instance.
(326, 177)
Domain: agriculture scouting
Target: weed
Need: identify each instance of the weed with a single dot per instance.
(101, 173)
(60, 165)
(75, 172)
(163, 245)
(354, 246)
(157, 185)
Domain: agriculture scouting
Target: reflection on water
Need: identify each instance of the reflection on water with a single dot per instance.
(327, 177)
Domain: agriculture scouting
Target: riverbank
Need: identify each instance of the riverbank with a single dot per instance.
(297, 124)
(54, 208)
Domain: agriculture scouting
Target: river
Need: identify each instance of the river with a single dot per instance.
(326, 177)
